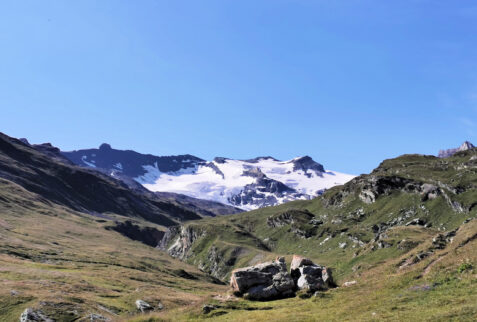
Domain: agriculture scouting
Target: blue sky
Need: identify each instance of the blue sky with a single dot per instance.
(349, 83)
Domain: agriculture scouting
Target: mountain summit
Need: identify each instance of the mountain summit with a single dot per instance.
(450, 152)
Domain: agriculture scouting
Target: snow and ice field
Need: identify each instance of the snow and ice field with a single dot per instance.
(205, 183)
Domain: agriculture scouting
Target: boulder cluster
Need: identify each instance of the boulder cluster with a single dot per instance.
(271, 280)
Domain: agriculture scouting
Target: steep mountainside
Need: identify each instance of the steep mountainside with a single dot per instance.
(200, 206)
(247, 184)
(58, 181)
(70, 266)
(402, 204)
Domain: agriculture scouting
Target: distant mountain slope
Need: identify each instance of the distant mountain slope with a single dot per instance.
(129, 163)
(247, 184)
(58, 181)
(202, 207)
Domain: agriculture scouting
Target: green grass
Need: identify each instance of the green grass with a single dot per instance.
(67, 264)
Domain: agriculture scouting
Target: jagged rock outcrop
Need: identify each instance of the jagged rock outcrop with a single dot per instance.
(309, 276)
(264, 192)
(302, 222)
(183, 236)
(265, 281)
(30, 315)
(450, 152)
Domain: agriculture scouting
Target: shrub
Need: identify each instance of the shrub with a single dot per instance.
(464, 267)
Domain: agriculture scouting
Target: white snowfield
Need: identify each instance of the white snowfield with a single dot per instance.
(204, 182)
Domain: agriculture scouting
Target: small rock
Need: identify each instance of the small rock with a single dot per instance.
(350, 283)
(160, 306)
(342, 245)
(13, 292)
(416, 222)
(97, 317)
(207, 308)
(143, 306)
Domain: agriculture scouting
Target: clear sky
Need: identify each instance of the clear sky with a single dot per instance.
(349, 83)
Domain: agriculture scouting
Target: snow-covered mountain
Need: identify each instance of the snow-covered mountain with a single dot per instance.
(248, 184)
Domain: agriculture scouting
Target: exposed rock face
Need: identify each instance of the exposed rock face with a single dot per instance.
(264, 192)
(309, 276)
(306, 164)
(301, 222)
(30, 315)
(264, 281)
(130, 163)
(184, 238)
(450, 152)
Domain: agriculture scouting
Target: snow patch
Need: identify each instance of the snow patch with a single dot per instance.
(89, 164)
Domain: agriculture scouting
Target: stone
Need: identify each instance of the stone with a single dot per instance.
(143, 306)
(416, 222)
(30, 315)
(309, 276)
(160, 306)
(265, 281)
(429, 192)
(342, 245)
(207, 308)
(298, 261)
(350, 283)
(97, 317)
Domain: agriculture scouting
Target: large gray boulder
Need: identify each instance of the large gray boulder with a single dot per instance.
(265, 281)
(309, 276)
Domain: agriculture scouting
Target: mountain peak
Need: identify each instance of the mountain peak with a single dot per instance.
(466, 146)
(105, 147)
(307, 163)
(257, 159)
(450, 152)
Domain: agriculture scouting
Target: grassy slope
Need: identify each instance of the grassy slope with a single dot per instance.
(250, 236)
(435, 289)
(68, 261)
(384, 289)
